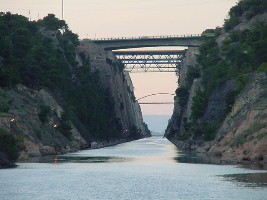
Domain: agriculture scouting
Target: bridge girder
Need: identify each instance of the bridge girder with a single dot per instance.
(151, 60)
(148, 41)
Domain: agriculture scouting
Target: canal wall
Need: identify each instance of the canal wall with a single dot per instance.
(232, 124)
(38, 138)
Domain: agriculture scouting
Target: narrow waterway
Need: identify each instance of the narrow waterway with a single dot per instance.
(145, 169)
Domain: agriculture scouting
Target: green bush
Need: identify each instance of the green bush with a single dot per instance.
(262, 67)
(183, 94)
(209, 131)
(50, 22)
(242, 80)
(4, 107)
(261, 136)
(192, 73)
(199, 104)
(231, 23)
(9, 144)
(248, 7)
(44, 113)
(64, 126)
(230, 100)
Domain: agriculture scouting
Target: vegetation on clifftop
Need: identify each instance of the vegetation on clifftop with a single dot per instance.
(246, 9)
(41, 54)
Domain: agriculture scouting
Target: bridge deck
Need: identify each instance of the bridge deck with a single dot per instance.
(145, 37)
(193, 40)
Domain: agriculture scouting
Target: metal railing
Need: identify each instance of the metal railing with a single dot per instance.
(146, 37)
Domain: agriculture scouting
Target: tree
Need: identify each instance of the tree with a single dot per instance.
(50, 22)
(199, 105)
(9, 144)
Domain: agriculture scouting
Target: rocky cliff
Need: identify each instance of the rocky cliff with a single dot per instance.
(224, 117)
(183, 102)
(59, 95)
(25, 105)
(243, 134)
(23, 120)
(114, 78)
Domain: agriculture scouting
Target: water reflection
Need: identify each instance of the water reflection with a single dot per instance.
(135, 170)
(149, 150)
(248, 180)
(75, 159)
(202, 158)
(90, 159)
(191, 157)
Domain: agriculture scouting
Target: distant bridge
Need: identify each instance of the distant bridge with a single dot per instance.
(148, 41)
(161, 93)
(156, 103)
(154, 94)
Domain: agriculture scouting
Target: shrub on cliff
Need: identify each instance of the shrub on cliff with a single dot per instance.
(50, 22)
(182, 93)
(240, 54)
(9, 144)
(4, 107)
(64, 126)
(199, 105)
(42, 54)
(192, 73)
(44, 113)
(244, 8)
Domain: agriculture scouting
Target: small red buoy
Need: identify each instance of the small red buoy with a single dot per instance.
(56, 159)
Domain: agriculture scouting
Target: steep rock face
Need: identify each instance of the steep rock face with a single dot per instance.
(119, 83)
(38, 138)
(176, 124)
(23, 120)
(242, 135)
(189, 61)
(217, 102)
(241, 132)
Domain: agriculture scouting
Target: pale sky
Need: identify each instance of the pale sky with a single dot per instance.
(122, 18)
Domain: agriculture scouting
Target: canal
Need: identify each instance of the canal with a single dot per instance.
(150, 168)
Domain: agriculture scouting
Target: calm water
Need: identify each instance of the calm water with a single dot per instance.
(144, 169)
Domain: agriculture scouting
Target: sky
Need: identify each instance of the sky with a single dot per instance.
(129, 18)
(157, 123)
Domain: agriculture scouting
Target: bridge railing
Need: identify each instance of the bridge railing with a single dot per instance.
(146, 37)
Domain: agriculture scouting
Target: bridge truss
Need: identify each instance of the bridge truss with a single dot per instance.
(151, 60)
(161, 93)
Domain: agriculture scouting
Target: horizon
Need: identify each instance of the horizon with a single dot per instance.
(157, 123)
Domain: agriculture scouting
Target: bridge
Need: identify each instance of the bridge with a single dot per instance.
(151, 60)
(157, 103)
(110, 44)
